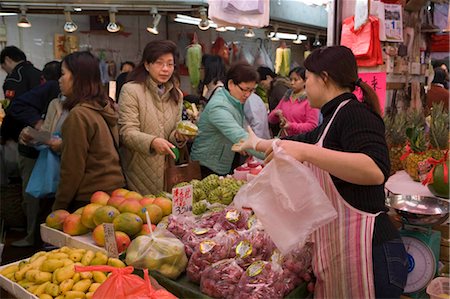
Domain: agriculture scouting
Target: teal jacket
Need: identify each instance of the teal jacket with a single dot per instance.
(220, 126)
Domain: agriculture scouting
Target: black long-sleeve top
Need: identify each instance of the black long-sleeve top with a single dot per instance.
(357, 129)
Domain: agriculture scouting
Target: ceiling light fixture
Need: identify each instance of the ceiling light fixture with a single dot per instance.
(317, 42)
(250, 33)
(221, 29)
(153, 28)
(69, 26)
(77, 9)
(23, 21)
(298, 40)
(204, 23)
(185, 19)
(112, 26)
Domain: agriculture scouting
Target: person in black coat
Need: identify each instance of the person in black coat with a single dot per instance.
(29, 109)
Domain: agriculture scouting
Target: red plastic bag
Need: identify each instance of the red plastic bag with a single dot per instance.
(122, 284)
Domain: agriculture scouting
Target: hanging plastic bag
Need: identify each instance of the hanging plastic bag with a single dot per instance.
(288, 192)
(161, 251)
(151, 289)
(44, 178)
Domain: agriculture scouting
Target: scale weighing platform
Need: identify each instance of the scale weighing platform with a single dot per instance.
(417, 215)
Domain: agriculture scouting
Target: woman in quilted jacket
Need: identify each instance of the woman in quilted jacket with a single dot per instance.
(149, 110)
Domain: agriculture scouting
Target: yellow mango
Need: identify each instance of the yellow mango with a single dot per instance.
(64, 273)
(36, 264)
(75, 256)
(76, 277)
(74, 295)
(99, 259)
(116, 263)
(89, 295)
(85, 275)
(19, 275)
(99, 276)
(87, 258)
(45, 296)
(82, 285)
(51, 265)
(57, 255)
(52, 289)
(36, 255)
(94, 286)
(41, 289)
(66, 285)
(9, 269)
(30, 275)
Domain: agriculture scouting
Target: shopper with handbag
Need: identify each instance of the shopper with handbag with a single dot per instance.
(149, 110)
(89, 159)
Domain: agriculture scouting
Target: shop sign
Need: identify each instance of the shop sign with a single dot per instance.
(110, 240)
(378, 82)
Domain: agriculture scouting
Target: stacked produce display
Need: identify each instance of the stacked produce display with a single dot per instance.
(52, 274)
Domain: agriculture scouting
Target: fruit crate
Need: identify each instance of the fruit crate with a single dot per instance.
(60, 239)
(13, 288)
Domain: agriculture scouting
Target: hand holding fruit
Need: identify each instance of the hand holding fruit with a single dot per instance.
(163, 147)
(297, 150)
(55, 144)
(25, 137)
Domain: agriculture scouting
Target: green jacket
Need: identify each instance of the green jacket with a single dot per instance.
(220, 126)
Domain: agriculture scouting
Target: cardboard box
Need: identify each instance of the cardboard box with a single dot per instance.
(60, 239)
(13, 288)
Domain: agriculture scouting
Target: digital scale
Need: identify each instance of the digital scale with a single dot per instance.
(417, 215)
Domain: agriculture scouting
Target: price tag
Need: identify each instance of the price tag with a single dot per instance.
(110, 240)
(182, 200)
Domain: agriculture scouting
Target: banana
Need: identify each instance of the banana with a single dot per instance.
(31, 275)
(9, 269)
(75, 256)
(52, 289)
(65, 273)
(74, 295)
(94, 286)
(87, 258)
(37, 254)
(99, 259)
(99, 276)
(85, 275)
(82, 285)
(42, 277)
(51, 265)
(45, 296)
(116, 263)
(19, 275)
(66, 285)
(41, 289)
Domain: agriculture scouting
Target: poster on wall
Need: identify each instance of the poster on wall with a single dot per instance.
(378, 82)
(393, 22)
(64, 44)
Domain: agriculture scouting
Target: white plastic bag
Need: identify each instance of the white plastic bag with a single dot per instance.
(288, 200)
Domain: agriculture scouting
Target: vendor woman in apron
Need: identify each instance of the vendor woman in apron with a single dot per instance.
(359, 254)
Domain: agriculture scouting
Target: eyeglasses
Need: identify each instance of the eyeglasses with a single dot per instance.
(246, 90)
(161, 64)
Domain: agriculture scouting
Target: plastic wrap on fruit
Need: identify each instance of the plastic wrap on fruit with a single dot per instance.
(187, 127)
(160, 251)
(208, 252)
(193, 237)
(179, 225)
(260, 280)
(299, 260)
(208, 220)
(232, 218)
(255, 245)
(221, 279)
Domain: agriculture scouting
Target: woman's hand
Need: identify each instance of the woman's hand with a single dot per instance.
(284, 124)
(25, 137)
(163, 147)
(250, 143)
(295, 149)
(55, 144)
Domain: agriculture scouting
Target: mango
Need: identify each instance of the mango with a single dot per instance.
(56, 219)
(73, 225)
(94, 286)
(87, 216)
(74, 295)
(99, 259)
(98, 276)
(52, 289)
(87, 258)
(42, 277)
(51, 265)
(45, 296)
(82, 285)
(9, 270)
(66, 285)
(116, 263)
(128, 223)
(64, 273)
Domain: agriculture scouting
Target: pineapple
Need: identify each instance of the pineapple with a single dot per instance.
(418, 144)
(395, 138)
(414, 119)
(439, 131)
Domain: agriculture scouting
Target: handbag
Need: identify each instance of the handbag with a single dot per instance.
(44, 178)
(185, 171)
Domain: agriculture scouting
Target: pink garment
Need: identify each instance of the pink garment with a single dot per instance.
(301, 117)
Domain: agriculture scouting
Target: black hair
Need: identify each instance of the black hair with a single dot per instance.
(439, 75)
(52, 70)
(264, 71)
(241, 72)
(301, 71)
(125, 63)
(12, 52)
(214, 69)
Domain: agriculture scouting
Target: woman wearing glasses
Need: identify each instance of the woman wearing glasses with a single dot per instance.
(221, 123)
(150, 107)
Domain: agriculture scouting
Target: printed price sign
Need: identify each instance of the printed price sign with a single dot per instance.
(182, 200)
(110, 240)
